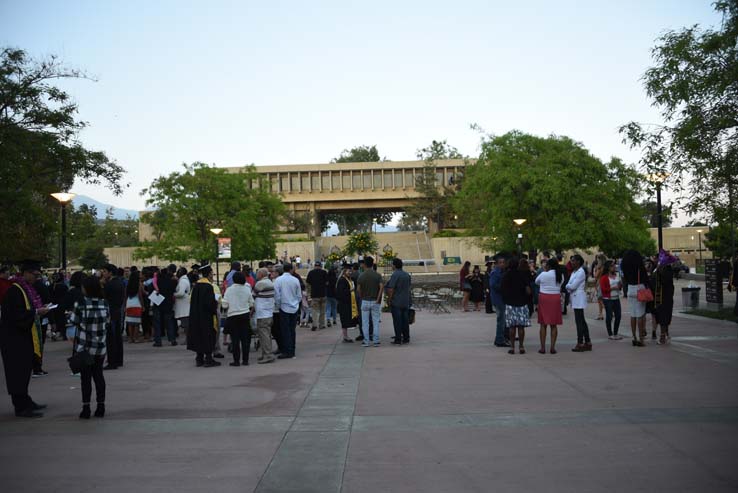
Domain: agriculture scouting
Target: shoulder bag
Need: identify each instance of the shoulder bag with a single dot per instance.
(644, 295)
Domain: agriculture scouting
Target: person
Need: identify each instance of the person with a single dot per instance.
(74, 295)
(182, 299)
(488, 307)
(116, 298)
(264, 310)
(598, 271)
(287, 297)
(134, 306)
(59, 291)
(239, 303)
(317, 284)
(235, 267)
(495, 292)
(20, 337)
(348, 308)
(41, 287)
(399, 299)
(330, 294)
(370, 288)
(549, 302)
(515, 287)
(464, 285)
(164, 313)
(610, 286)
(576, 289)
(476, 295)
(636, 279)
(5, 281)
(203, 319)
(91, 319)
(147, 318)
(276, 270)
(663, 293)
(298, 261)
(733, 283)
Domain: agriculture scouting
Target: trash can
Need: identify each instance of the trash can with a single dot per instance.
(691, 297)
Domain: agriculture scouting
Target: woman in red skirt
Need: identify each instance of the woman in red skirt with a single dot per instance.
(549, 302)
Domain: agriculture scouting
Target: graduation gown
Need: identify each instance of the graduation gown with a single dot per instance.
(663, 293)
(347, 306)
(16, 340)
(203, 323)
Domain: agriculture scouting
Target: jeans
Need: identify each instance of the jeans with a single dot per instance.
(374, 310)
(500, 332)
(114, 339)
(582, 328)
(331, 309)
(317, 308)
(401, 323)
(89, 373)
(239, 327)
(612, 307)
(164, 321)
(288, 322)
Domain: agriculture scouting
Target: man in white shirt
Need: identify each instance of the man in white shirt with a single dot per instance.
(264, 300)
(287, 297)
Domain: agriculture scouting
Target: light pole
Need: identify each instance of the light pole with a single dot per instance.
(64, 198)
(216, 232)
(520, 223)
(658, 179)
(699, 244)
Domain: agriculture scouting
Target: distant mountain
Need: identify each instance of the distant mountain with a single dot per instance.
(101, 208)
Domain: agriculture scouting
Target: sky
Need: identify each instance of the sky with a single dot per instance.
(235, 83)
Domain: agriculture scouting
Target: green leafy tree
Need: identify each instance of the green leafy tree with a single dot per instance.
(718, 239)
(694, 84)
(434, 201)
(650, 208)
(191, 202)
(40, 153)
(93, 257)
(569, 198)
(351, 222)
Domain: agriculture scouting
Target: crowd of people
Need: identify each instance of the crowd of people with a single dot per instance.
(96, 311)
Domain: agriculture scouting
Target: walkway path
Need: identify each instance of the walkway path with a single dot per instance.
(447, 413)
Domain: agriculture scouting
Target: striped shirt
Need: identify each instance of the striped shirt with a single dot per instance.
(264, 298)
(90, 318)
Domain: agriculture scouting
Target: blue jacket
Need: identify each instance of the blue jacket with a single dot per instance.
(495, 282)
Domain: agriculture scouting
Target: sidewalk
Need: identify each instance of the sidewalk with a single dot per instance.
(448, 413)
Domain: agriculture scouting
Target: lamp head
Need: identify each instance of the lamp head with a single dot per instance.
(658, 177)
(699, 231)
(519, 222)
(216, 231)
(63, 197)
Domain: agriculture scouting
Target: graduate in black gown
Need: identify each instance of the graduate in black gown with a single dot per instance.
(663, 293)
(20, 337)
(203, 322)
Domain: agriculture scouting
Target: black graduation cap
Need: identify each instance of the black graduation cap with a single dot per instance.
(30, 265)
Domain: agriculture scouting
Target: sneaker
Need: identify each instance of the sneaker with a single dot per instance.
(612, 338)
(377, 343)
(263, 361)
(364, 344)
(618, 337)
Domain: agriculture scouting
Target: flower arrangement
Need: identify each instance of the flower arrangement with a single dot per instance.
(361, 243)
(334, 257)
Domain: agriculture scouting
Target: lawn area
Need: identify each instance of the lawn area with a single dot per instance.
(722, 314)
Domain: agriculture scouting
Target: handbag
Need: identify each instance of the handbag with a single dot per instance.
(80, 360)
(644, 295)
(411, 316)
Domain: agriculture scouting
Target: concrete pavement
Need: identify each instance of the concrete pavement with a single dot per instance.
(447, 413)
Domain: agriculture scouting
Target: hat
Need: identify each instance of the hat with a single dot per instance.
(665, 258)
(30, 266)
(318, 263)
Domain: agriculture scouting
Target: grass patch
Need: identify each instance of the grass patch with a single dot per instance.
(723, 314)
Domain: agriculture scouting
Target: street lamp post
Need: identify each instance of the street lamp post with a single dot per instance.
(216, 232)
(699, 244)
(520, 223)
(64, 198)
(658, 179)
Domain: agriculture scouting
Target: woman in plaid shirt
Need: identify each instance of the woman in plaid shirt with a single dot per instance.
(91, 318)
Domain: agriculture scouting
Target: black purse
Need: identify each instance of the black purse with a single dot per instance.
(78, 361)
(411, 316)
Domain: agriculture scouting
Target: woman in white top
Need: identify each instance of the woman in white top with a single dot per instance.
(182, 299)
(549, 302)
(575, 287)
(239, 302)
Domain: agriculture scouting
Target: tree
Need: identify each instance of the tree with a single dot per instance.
(717, 240)
(434, 201)
(568, 197)
(352, 222)
(694, 84)
(40, 153)
(191, 202)
(651, 214)
(93, 257)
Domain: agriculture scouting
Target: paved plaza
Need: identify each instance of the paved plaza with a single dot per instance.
(448, 413)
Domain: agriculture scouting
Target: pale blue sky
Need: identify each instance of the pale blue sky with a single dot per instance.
(282, 82)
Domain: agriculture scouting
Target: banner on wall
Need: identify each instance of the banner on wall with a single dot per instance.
(224, 248)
